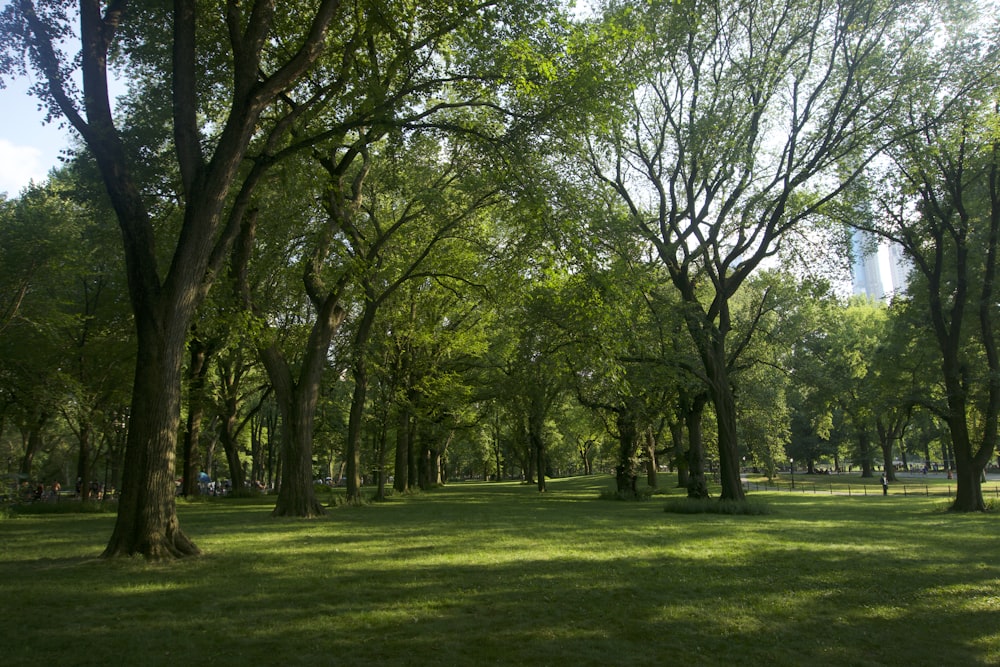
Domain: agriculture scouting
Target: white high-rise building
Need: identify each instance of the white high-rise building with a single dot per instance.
(865, 269)
(879, 269)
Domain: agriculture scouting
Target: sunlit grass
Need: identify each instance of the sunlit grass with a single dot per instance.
(498, 574)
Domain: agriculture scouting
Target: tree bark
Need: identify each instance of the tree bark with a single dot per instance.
(401, 479)
(650, 458)
(680, 459)
(356, 419)
(163, 306)
(697, 487)
(625, 471)
(296, 404)
(197, 372)
(147, 518)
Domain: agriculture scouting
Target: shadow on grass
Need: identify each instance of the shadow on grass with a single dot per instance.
(481, 575)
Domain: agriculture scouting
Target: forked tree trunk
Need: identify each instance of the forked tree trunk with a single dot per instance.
(296, 496)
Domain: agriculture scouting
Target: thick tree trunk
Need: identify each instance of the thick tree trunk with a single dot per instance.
(968, 473)
(625, 471)
(864, 448)
(296, 496)
(147, 517)
(729, 460)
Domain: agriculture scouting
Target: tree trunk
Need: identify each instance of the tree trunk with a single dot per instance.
(353, 453)
(711, 343)
(356, 419)
(401, 480)
(537, 443)
(230, 445)
(197, 372)
(381, 447)
(864, 447)
(147, 517)
(83, 467)
(296, 496)
(413, 454)
(32, 444)
(968, 474)
(697, 487)
(625, 471)
(680, 459)
(650, 451)
(729, 460)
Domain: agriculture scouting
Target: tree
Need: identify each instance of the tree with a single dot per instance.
(939, 198)
(65, 348)
(738, 112)
(266, 57)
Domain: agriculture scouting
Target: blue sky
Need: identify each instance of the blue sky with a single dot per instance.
(28, 149)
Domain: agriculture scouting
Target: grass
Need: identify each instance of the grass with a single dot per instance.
(476, 573)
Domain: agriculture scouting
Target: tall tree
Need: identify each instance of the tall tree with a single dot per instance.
(262, 56)
(938, 196)
(402, 66)
(738, 112)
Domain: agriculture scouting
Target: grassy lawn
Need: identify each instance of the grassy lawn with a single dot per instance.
(478, 573)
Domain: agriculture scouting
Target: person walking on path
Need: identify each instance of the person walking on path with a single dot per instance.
(885, 485)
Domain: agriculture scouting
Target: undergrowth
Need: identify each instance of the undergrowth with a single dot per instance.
(716, 506)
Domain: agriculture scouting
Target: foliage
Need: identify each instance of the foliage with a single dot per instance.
(747, 506)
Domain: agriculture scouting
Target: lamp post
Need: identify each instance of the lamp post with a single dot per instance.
(791, 464)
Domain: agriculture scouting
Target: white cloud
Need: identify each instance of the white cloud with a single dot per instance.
(18, 166)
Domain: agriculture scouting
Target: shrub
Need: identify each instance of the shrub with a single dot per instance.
(713, 506)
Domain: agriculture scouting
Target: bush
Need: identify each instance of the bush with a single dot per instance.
(711, 506)
(639, 495)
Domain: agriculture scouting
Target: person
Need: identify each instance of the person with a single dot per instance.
(885, 485)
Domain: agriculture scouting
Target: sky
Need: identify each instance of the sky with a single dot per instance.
(28, 148)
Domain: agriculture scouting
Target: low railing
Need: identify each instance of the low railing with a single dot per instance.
(908, 488)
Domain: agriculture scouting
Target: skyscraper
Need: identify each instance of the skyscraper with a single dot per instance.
(879, 269)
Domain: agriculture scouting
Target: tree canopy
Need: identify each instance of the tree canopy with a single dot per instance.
(383, 234)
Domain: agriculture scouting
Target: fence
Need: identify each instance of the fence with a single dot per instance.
(908, 489)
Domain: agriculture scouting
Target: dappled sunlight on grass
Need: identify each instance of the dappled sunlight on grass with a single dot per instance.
(479, 573)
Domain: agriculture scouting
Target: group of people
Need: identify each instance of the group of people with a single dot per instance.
(40, 492)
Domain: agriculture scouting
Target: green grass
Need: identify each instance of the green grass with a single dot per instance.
(475, 574)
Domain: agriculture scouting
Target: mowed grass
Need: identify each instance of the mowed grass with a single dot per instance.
(476, 574)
